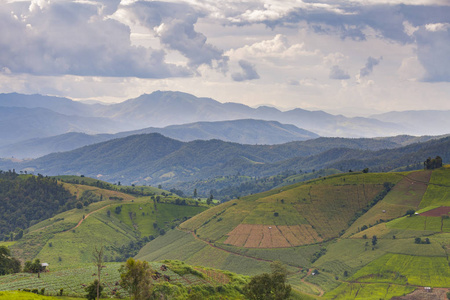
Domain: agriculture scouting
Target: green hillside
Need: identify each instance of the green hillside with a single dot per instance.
(183, 279)
(328, 225)
(105, 216)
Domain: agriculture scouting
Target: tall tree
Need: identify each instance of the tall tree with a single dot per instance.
(271, 286)
(136, 279)
(97, 255)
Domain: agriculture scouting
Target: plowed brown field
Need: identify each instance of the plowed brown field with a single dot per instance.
(437, 212)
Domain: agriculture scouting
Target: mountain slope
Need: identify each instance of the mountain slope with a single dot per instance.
(155, 159)
(18, 124)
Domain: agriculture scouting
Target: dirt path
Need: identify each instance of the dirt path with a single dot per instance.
(321, 292)
(86, 216)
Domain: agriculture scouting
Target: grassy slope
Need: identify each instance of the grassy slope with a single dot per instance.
(72, 280)
(327, 204)
(183, 246)
(406, 194)
(394, 263)
(414, 190)
(58, 242)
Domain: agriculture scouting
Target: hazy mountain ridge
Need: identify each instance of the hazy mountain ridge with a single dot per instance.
(161, 109)
(239, 131)
(19, 123)
(422, 122)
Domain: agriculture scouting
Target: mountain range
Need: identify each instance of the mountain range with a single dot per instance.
(25, 117)
(154, 159)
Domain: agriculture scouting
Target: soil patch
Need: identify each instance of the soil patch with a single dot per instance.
(421, 294)
(437, 212)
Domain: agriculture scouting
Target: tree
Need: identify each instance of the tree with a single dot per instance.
(195, 193)
(33, 267)
(8, 264)
(418, 240)
(374, 240)
(97, 256)
(92, 290)
(269, 286)
(410, 212)
(136, 278)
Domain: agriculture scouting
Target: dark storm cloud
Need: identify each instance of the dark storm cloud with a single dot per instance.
(337, 73)
(73, 38)
(248, 72)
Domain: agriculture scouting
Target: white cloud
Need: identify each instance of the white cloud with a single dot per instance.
(437, 27)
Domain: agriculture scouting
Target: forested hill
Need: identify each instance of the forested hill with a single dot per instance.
(154, 159)
(27, 199)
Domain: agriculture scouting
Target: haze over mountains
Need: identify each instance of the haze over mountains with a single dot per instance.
(24, 117)
(238, 131)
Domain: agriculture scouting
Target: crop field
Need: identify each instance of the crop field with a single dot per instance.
(75, 246)
(410, 190)
(331, 216)
(402, 269)
(179, 245)
(143, 215)
(438, 192)
(293, 256)
(437, 212)
(296, 282)
(74, 280)
(326, 281)
(406, 194)
(19, 295)
(374, 291)
(263, 236)
(327, 204)
(421, 222)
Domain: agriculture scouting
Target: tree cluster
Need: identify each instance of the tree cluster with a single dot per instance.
(8, 264)
(267, 286)
(434, 163)
(27, 199)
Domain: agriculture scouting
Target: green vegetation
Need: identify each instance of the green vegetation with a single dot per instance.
(438, 192)
(26, 200)
(197, 252)
(406, 269)
(20, 295)
(374, 291)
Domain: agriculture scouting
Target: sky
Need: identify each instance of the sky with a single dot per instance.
(351, 57)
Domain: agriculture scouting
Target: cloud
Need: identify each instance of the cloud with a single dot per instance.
(337, 73)
(248, 72)
(433, 48)
(277, 50)
(368, 68)
(173, 24)
(59, 38)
